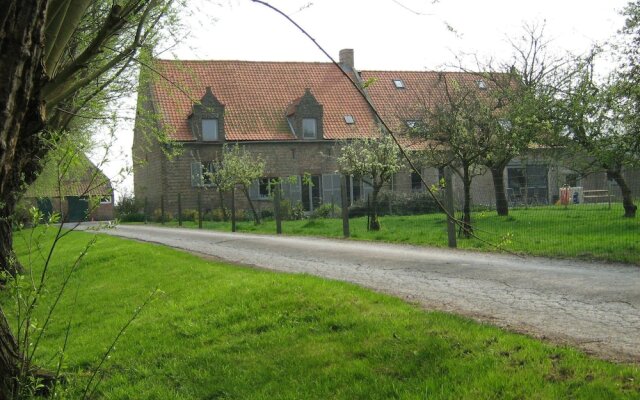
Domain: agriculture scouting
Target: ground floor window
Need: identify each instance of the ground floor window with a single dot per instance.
(416, 182)
(528, 184)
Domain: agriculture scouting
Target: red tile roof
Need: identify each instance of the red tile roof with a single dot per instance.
(421, 89)
(256, 96)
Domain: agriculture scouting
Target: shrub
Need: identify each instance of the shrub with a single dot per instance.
(190, 215)
(157, 216)
(266, 214)
(393, 203)
(132, 217)
(127, 204)
(291, 212)
(326, 210)
(21, 216)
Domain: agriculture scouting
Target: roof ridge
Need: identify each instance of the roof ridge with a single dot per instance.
(243, 61)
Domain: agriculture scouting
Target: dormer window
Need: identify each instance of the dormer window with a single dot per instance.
(209, 130)
(309, 128)
(304, 116)
(399, 83)
(207, 119)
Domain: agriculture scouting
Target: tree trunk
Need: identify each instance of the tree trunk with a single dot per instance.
(22, 142)
(256, 217)
(502, 205)
(627, 197)
(374, 223)
(225, 217)
(467, 229)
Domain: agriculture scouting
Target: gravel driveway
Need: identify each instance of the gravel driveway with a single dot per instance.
(594, 306)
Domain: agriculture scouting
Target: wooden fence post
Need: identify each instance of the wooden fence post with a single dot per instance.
(162, 209)
(199, 210)
(345, 206)
(179, 210)
(233, 209)
(276, 209)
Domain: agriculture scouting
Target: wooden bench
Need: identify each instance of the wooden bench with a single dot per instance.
(597, 194)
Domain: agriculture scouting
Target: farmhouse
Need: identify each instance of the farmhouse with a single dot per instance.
(83, 193)
(294, 116)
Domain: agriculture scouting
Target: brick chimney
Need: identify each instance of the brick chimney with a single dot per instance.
(346, 59)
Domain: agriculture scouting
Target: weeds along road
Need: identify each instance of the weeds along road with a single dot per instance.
(593, 306)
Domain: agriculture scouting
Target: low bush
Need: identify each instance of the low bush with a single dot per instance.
(157, 216)
(190, 215)
(327, 210)
(132, 217)
(393, 203)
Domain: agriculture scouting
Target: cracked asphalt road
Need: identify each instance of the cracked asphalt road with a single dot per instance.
(593, 306)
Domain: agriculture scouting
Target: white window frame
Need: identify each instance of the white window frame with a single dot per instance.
(399, 84)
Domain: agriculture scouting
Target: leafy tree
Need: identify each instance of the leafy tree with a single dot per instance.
(237, 168)
(519, 94)
(595, 117)
(455, 127)
(62, 61)
(375, 159)
(628, 80)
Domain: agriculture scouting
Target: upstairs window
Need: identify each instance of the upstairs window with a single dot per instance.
(412, 123)
(399, 83)
(209, 130)
(309, 128)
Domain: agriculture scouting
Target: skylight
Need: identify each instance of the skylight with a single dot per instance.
(482, 85)
(399, 83)
(412, 123)
(349, 119)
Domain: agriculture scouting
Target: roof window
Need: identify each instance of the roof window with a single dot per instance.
(399, 83)
(349, 119)
(482, 85)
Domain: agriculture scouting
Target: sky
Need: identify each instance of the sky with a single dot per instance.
(384, 34)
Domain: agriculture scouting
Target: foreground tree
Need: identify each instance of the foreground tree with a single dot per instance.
(375, 159)
(58, 60)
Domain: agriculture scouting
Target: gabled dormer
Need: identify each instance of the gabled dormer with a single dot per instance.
(305, 117)
(207, 119)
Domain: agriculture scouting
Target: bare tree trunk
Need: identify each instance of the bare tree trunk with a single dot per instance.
(374, 222)
(627, 196)
(502, 205)
(225, 217)
(467, 229)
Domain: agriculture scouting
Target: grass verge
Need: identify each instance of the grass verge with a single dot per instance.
(220, 331)
(586, 231)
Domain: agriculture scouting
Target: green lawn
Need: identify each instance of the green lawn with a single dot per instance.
(584, 231)
(219, 331)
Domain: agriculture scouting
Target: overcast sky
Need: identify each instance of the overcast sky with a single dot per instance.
(385, 34)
